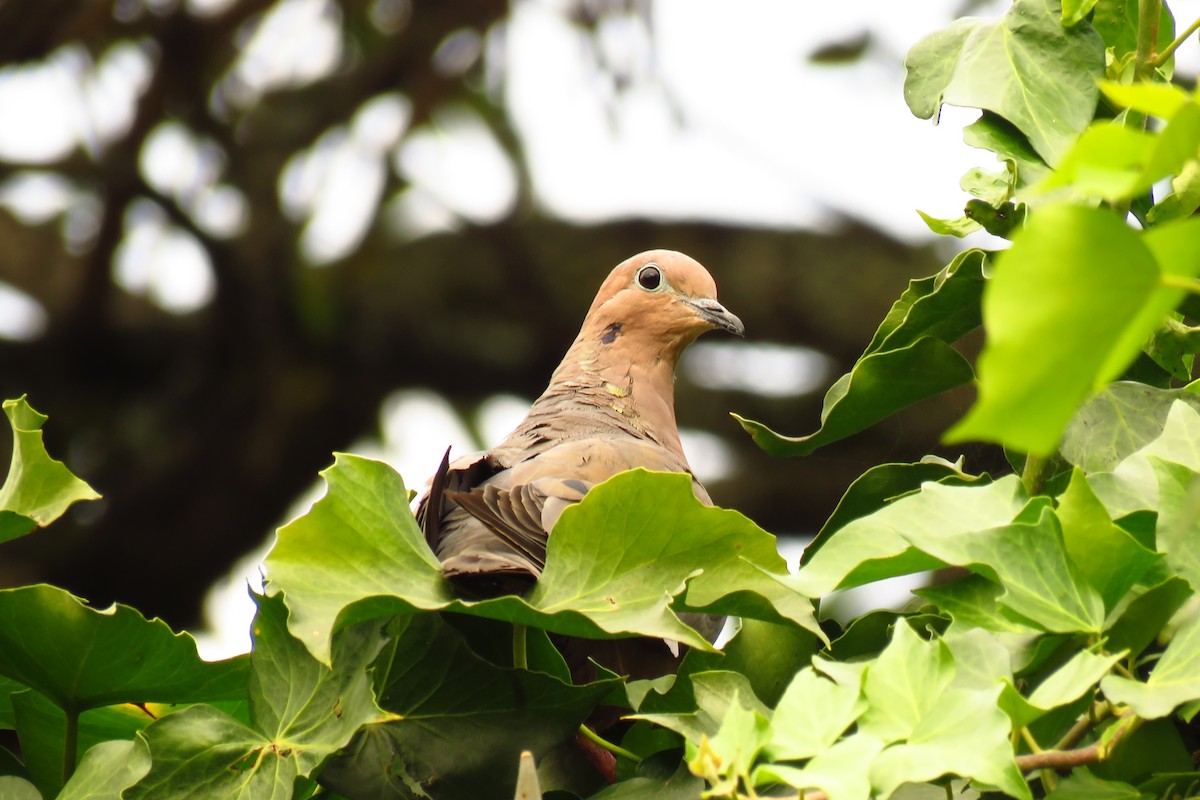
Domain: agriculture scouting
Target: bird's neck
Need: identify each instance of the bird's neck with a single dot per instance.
(625, 385)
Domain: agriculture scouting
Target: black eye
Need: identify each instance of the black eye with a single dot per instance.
(649, 277)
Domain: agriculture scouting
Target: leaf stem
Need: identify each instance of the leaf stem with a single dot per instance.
(615, 749)
(1033, 476)
(70, 743)
(1181, 282)
(1170, 49)
(520, 654)
(1149, 12)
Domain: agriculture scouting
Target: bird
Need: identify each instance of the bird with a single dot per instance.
(609, 407)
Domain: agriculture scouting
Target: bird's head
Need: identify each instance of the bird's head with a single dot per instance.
(661, 296)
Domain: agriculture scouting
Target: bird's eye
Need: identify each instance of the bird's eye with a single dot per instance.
(649, 277)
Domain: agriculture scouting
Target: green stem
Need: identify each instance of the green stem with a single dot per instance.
(1181, 282)
(1149, 12)
(70, 744)
(1033, 477)
(615, 749)
(1170, 49)
(520, 654)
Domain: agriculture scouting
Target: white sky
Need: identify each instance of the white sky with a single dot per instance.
(727, 121)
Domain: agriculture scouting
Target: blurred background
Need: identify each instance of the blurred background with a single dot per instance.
(238, 235)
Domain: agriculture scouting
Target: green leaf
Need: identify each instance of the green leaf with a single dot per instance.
(838, 771)
(767, 653)
(905, 684)
(813, 714)
(1117, 422)
(1179, 518)
(1110, 559)
(614, 564)
(908, 359)
(1050, 310)
(14, 788)
(1148, 97)
(992, 132)
(994, 188)
(935, 728)
(880, 545)
(1133, 484)
(944, 306)
(883, 484)
(880, 384)
(459, 723)
(1174, 681)
(1184, 198)
(967, 735)
(1083, 785)
(1026, 67)
(973, 601)
(1065, 685)
(1147, 614)
(682, 785)
(1174, 347)
(300, 713)
(724, 760)
(1029, 560)
(204, 749)
(694, 708)
(83, 658)
(1074, 11)
(1115, 163)
(38, 489)
(108, 769)
(958, 227)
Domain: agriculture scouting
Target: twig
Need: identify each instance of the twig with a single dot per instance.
(1170, 49)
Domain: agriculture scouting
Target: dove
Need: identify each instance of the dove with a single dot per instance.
(609, 407)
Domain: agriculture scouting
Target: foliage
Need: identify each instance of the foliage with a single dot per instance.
(1060, 659)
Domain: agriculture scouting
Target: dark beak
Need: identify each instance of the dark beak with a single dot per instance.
(719, 316)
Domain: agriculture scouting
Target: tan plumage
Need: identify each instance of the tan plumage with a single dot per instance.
(610, 406)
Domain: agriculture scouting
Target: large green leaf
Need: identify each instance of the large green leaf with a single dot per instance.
(811, 716)
(934, 728)
(615, 562)
(459, 722)
(82, 658)
(1060, 314)
(300, 712)
(1174, 681)
(908, 359)
(38, 489)
(1025, 67)
(1030, 561)
(883, 484)
(878, 545)
(1110, 559)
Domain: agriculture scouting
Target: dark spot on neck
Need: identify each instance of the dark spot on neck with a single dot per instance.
(611, 333)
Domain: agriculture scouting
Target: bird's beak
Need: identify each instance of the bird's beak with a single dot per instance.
(718, 316)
